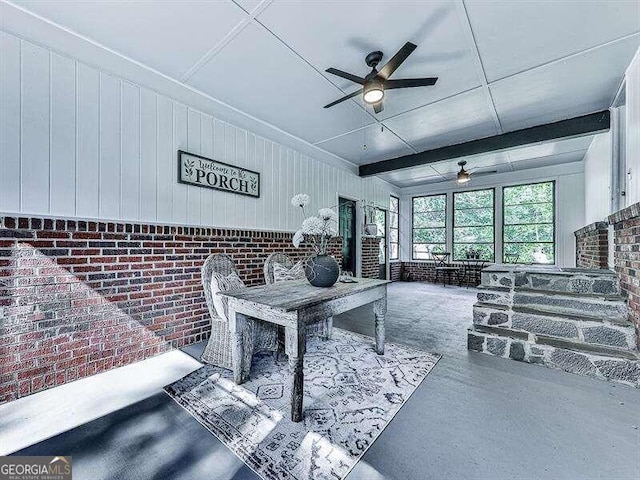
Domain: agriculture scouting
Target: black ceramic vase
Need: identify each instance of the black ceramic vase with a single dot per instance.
(322, 270)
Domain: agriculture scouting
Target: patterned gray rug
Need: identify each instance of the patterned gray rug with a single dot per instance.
(350, 396)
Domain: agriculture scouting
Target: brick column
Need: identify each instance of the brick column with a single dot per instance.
(592, 246)
(370, 260)
(395, 271)
(626, 256)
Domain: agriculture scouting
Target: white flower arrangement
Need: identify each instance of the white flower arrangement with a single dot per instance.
(312, 226)
(319, 229)
(300, 200)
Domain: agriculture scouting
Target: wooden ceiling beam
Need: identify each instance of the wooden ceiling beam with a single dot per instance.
(573, 127)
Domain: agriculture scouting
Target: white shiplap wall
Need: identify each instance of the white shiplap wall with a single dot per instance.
(632, 81)
(76, 141)
(570, 197)
(597, 179)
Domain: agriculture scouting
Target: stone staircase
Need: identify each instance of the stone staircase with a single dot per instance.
(571, 319)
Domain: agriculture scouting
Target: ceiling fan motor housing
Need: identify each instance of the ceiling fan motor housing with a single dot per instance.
(373, 59)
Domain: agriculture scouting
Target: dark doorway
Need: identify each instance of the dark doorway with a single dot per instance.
(347, 228)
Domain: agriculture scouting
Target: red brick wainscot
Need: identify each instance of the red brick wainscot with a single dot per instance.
(424, 271)
(82, 297)
(592, 246)
(626, 255)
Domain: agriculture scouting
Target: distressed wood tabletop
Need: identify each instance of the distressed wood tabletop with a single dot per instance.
(289, 296)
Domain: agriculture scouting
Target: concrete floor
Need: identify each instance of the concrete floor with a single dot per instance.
(474, 417)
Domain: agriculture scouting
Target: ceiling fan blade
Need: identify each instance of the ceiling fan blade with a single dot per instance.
(348, 76)
(346, 97)
(378, 107)
(447, 177)
(410, 82)
(393, 64)
(485, 172)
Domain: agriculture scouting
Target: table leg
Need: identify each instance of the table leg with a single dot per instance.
(237, 324)
(379, 310)
(295, 349)
(328, 329)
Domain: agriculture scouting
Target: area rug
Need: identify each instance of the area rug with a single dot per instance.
(350, 395)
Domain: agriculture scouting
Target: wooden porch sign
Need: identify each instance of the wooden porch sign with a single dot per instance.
(203, 172)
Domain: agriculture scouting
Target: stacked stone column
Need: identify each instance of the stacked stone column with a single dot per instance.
(571, 319)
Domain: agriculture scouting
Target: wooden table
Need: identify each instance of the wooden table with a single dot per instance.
(295, 305)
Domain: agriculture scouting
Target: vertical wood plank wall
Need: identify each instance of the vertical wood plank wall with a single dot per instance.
(79, 142)
(633, 130)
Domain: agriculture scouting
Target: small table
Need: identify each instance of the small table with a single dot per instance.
(472, 268)
(294, 305)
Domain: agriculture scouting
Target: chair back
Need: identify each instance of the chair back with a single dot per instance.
(221, 264)
(441, 258)
(276, 257)
(511, 257)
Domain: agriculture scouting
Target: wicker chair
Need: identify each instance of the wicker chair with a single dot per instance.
(258, 336)
(277, 257)
(324, 328)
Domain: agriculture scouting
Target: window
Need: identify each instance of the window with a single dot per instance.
(394, 222)
(429, 225)
(381, 222)
(529, 222)
(473, 220)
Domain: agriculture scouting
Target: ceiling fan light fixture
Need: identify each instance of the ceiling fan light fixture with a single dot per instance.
(463, 175)
(373, 92)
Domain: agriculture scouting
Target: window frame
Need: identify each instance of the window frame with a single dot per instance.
(382, 235)
(553, 220)
(397, 214)
(493, 216)
(445, 228)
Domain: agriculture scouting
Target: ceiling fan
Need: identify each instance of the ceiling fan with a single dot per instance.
(464, 176)
(377, 81)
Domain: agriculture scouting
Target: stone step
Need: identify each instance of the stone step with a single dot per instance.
(539, 339)
(588, 308)
(595, 297)
(588, 330)
(603, 364)
(587, 347)
(552, 279)
(504, 292)
(495, 295)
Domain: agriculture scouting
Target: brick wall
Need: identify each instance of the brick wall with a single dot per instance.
(592, 246)
(627, 258)
(79, 298)
(424, 271)
(395, 271)
(370, 257)
(419, 271)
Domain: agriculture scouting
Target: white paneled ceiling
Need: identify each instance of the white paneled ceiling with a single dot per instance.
(514, 36)
(332, 34)
(167, 36)
(449, 121)
(273, 84)
(502, 64)
(372, 141)
(563, 89)
(543, 154)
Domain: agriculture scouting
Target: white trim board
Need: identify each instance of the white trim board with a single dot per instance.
(35, 418)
